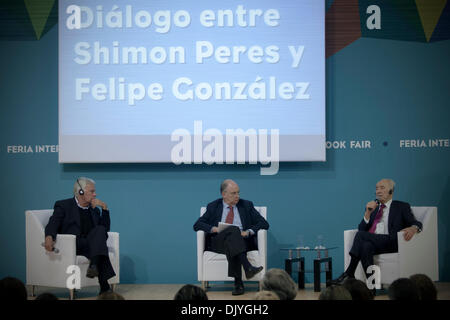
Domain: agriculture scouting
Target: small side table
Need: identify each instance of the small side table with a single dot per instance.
(301, 265)
(322, 258)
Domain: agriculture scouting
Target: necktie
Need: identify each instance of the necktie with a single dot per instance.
(377, 218)
(230, 216)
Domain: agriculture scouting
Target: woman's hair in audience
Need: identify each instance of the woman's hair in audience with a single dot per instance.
(280, 282)
(266, 295)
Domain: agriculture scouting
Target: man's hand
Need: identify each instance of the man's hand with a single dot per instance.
(408, 233)
(245, 234)
(98, 203)
(214, 230)
(370, 206)
(49, 243)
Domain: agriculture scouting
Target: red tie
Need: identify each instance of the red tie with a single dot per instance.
(230, 216)
(377, 219)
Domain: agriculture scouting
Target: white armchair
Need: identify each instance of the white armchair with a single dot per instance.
(49, 268)
(419, 255)
(213, 266)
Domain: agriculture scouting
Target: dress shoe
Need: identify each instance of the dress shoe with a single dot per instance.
(252, 272)
(238, 290)
(341, 279)
(92, 271)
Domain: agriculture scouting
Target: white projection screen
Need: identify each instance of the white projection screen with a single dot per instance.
(191, 81)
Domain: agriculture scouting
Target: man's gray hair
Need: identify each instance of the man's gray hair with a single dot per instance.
(81, 183)
(224, 185)
(391, 184)
(280, 282)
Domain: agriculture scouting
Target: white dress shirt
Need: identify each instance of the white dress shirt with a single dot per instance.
(80, 206)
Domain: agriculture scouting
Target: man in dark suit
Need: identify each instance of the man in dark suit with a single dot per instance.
(236, 240)
(82, 217)
(377, 232)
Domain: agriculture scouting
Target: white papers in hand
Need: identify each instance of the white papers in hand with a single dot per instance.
(222, 226)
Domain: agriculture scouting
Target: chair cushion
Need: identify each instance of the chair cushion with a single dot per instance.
(389, 265)
(387, 258)
(209, 256)
(215, 266)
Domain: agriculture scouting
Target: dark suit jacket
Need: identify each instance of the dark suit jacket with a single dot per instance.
(400, 217)
(66, 218)
(250, 218)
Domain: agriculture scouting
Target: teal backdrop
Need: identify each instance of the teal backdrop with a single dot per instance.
(383, 90)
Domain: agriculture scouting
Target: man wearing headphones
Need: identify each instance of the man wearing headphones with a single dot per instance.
(377, 232)
(82, 217)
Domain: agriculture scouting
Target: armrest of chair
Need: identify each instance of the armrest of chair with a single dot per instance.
(349, 236)
(200, 250)
(113, 242)
(67, 246)
(49, 268)
(113, 246)
(420, 242)
(411, 253)
(262, 247)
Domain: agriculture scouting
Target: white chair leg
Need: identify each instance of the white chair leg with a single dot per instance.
(113, 288)
(71, 294)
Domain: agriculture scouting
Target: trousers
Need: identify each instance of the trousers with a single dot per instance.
(94, 247)
(366, 245)
(232, 244)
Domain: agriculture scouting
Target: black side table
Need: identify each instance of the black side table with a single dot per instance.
(325, 259)
(317, 268)
(301, 266)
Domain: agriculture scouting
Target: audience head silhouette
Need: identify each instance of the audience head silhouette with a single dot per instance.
(12, 289)
(335, 292)
(46, 296)
(110, 295)
(280, 282)
(358, 289)
(190, 292)
(403, 289)
(266, 295)
(427, 289)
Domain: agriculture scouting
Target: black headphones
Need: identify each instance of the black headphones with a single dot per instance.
(81, 191)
